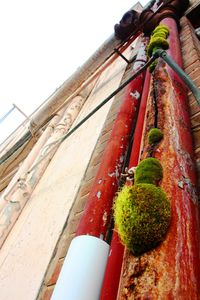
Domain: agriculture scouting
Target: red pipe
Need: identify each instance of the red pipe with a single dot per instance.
(170, 271)
(114, 264)
(185, 225)
(96, 217)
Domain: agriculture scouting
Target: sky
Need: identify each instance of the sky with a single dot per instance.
(42, 43)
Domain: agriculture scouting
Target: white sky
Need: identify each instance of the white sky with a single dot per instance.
(43, 42)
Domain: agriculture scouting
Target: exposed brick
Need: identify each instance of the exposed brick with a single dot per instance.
(196, 135)
(46, 295)
(197, 153)
(194, 66)
(195, 73)
(186, 29)
(195, 119)
(85, 189)
(108, 127)
(111, 117)
(80, 203)
(104, 137)
(197, 81)
(194, 108)
(73, 223)
(198, 173)
(186, 36)
(191, 98)
(185, 39)
(56, 272)
(101, 147)
(96, 160)
(91, 173)
(191, 59)
(64, 244)
(114, 109)
(189, 48)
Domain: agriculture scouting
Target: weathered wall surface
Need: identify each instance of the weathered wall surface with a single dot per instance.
(190, 46)
(81, 199)
(170, 270)
(30, 246)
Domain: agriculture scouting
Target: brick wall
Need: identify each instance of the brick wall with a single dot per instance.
(191, 61)
(78, 207)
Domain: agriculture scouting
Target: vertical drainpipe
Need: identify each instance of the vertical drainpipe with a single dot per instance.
(94, 225)
(171, 270)
(185, 209)
(96, 217)
(114, 264)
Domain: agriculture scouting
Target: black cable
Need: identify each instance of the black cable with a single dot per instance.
(109, 97)
(59, 141)
(28, 135)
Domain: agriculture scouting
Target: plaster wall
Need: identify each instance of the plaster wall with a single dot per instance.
(25, 255)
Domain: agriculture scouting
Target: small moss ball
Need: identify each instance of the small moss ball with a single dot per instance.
(155, 135)
(149, 170)
(142, 216)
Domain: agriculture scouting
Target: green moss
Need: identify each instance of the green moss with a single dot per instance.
(161, 28)
(149, 170)
(142, 216)
(158, 40)
(155, 135)
(153, 65)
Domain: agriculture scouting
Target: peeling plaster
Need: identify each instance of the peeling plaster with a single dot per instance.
(135, 95)
(121, 159)
(99, 194)
(111, 174)
(104, 218)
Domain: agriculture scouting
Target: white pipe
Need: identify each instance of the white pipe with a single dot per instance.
(83, 270)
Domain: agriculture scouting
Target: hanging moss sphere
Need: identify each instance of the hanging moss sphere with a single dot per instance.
(155, 135)
(142, 216)
(149, 170)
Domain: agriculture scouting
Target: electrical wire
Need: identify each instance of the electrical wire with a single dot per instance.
(69, 133)
(27, 136)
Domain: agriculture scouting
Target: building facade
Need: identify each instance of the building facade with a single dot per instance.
(55, 189)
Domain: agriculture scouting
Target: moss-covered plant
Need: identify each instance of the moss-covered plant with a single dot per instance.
(142, 216)
(155, 135)
(149, 170)
(158, 40)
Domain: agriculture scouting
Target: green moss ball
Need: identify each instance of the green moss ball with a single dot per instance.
(149, 170)
(155, 135)
(142, 216)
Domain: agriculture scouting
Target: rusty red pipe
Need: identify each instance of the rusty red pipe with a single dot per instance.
(96, 217)
(180, 251)
(185, 206)
(114, 264)
(170, 271)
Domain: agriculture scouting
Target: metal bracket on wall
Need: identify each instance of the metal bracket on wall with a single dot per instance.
(188, 81)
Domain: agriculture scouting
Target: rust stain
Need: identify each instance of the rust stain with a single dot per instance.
(169, 271)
